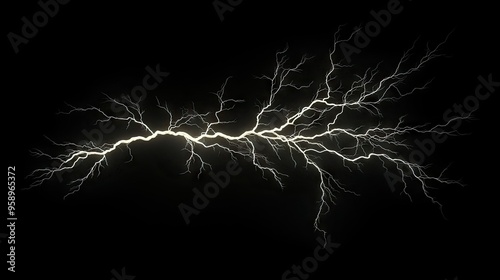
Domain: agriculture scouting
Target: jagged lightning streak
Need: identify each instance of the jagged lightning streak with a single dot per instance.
(307, 134)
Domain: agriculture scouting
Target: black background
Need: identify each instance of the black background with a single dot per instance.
(128, 216)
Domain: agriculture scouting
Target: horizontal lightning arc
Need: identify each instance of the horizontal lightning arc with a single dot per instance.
(294, 134)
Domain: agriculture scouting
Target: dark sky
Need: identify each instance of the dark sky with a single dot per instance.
(129, 217)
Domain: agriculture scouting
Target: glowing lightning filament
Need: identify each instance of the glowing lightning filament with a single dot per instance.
(310, 133)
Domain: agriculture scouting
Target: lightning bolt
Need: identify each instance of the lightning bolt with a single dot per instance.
(308, 134)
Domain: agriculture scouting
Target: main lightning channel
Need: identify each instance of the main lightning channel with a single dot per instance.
(297, 135)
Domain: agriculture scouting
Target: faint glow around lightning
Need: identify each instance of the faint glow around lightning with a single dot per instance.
(297, 135)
